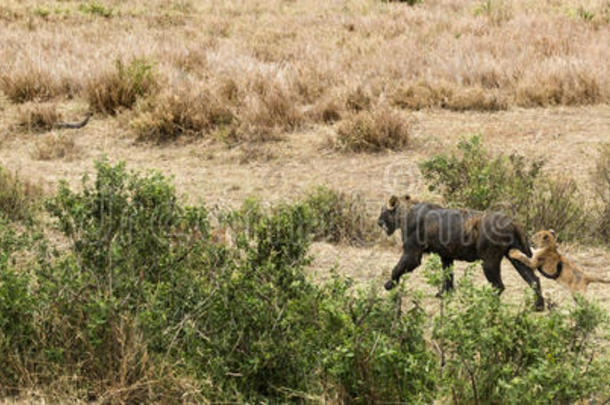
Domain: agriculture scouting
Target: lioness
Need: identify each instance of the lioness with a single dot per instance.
(555, 266)
(467, 235)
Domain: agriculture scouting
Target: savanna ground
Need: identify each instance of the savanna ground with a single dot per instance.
(246, 99)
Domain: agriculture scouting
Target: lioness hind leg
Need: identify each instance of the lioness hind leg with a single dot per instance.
(491, 268)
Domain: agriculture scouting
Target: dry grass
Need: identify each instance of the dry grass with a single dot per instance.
(256, 152)
(182, 111)
(270, 110)
(120, 87)
(31, 84)
(261, 109)
(374, 131)
(18, 196)
(281, 66)
(56, 146)
(327, 110)
(38, 117)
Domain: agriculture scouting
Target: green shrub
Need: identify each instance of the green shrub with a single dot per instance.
(121, 87)
(127, 229)
(128, 236)
(558, 204)
(340, 218)
(474, 178)
(17, 310)
(496, 353)
(374, 349)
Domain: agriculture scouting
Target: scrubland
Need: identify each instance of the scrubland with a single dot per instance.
(252, 272)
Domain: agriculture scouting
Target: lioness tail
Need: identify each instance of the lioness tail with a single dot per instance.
(521, 242)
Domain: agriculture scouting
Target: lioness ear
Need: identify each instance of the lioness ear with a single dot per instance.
(393, 202)
(552, 232)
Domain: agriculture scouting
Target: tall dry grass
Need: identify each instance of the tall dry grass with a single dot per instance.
(38, 117)
(279, 66)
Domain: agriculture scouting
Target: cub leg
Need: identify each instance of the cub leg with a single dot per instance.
(518, 255)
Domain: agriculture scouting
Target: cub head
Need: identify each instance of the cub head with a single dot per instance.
(390, 217)
(543, 239)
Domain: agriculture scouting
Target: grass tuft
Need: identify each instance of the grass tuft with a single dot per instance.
(31, 84)
(181, 112)
(374, 131)
(121, 87)
(37, 117)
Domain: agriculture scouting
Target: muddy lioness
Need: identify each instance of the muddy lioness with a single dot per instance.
(553, 265)
(466, 235)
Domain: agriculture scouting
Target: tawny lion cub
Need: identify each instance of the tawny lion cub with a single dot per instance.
(553, 265)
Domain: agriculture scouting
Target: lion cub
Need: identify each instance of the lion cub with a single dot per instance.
(553, 265)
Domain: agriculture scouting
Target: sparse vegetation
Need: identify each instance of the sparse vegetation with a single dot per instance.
(121, 87)
(379, 130)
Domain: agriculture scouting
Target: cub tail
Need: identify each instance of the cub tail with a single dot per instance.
(595, 279)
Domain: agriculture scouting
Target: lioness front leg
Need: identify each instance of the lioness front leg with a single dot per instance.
(518, 255)
(407, 263)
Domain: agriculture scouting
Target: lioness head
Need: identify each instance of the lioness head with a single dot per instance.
(543, 239)
(391, 213)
